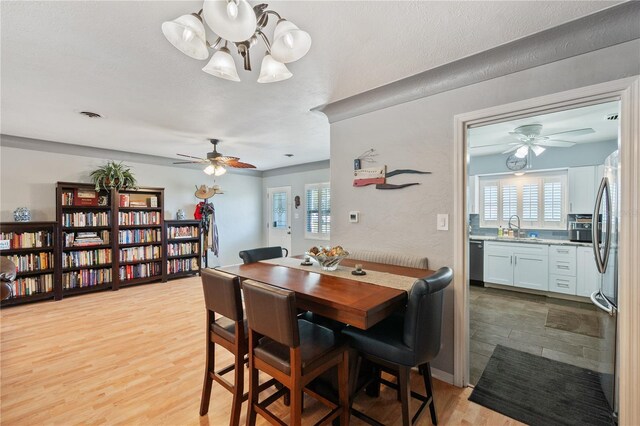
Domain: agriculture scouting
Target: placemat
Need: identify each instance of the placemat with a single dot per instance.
(385, 279)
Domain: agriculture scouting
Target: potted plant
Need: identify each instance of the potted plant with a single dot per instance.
(113, 176)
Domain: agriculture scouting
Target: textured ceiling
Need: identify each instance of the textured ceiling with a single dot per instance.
(61, 57)
(495, 138)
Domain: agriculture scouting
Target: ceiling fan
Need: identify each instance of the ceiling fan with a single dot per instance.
(216, 162)
(530, 139)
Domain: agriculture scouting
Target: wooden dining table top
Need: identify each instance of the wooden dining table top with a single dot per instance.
(347, 300)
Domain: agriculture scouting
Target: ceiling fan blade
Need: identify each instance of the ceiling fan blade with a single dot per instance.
(225, 159)
(556, 143)
(187, 162)
(513, 148)
(239, 165)
(576, 132)
(190, 156)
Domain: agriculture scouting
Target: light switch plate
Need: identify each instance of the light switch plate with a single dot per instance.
(443, 222)
(354, 217)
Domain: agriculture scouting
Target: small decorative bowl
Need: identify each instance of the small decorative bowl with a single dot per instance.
(328, 263)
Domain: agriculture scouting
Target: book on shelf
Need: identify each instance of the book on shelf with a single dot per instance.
(28, 286)
(153, 201)
(67, 198)
(124, 200)
(132, 254)
(75, 259)
(27, 239)
(142, 270)
(85, 197)
(180, 249)
(137, 204)
(132, 236)
(32, 262)
(139, 218)
(175, 266)
(176, 232)
(85, 239)
(83, 219)
(86, 278)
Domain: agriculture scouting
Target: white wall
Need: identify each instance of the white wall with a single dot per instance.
(28, 178)
(419, 135)
(297, 181)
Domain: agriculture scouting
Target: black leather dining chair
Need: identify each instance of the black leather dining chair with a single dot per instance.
(263, 253)
(406, 340)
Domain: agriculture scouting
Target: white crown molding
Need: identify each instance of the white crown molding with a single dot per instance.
(10, 141)
(298, 168)
(606, 28)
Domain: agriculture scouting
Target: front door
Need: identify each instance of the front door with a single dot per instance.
(279, 224)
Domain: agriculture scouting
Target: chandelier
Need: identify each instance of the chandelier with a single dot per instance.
(235, 22)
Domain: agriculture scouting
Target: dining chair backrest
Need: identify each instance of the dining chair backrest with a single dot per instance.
(271, 311)
(222, 293)
(263, 253)
(423, 317)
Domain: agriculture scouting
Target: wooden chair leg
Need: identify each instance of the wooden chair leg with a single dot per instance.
(238, 390)
(295, 396)
(405, 394)
(254, 383)
(208, 381)
(428, 386)
(343, 389)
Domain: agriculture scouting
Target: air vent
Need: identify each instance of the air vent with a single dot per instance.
(612, 117)
(90, 114)
(288, 155)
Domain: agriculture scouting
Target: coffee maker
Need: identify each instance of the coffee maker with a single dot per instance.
(580, 228)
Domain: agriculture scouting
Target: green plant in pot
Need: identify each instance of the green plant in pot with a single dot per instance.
(113, 176)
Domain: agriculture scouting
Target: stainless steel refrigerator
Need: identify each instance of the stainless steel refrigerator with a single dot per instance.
(606, 218)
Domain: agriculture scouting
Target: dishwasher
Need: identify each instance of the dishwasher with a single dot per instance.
(476, 262)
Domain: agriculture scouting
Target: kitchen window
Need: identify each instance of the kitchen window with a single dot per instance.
(318, 211)
(540, 199)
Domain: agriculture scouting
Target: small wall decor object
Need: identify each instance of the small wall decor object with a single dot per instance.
(180, 215)
(113, 176)
(103, 200)
(369, 176)
(296, 201)
(22, 214)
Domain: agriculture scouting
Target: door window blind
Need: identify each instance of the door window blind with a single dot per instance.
(318, 211)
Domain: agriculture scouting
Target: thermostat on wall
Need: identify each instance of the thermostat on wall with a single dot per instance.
(354, 217)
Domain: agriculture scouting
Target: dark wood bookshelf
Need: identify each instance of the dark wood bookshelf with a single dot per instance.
(49, 249)
(194, 225)
(142, 193)
(87, 208)
(86, 289)
(84, 228)
(80, 248)
(80, 268)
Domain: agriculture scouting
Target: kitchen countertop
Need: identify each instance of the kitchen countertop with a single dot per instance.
(529, 240)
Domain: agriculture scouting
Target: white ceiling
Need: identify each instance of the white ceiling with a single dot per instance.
(61, 57)
(495, 138)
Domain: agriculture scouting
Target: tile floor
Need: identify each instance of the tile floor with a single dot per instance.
(558, 329)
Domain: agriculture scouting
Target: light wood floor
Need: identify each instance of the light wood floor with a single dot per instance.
(136, 357)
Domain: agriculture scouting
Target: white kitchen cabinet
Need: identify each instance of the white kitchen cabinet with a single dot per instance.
(473, 195)
(582, 189)
(519, 265)
(562, 260)
(587, 276)
(498, 264)
(562, 284)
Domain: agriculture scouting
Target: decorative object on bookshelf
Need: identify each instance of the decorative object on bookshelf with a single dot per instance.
(84, 197)
(22, 214)
(103, 200)
(113, 176)
(180, 215)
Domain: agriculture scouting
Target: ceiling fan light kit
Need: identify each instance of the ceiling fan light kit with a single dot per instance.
(235, 21)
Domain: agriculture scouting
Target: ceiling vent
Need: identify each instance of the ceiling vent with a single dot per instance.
(90, 114)
(612, 117)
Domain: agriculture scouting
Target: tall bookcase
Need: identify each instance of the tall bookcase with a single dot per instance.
(32, 248)
(140, 242)
(85, 238)
(182, 248)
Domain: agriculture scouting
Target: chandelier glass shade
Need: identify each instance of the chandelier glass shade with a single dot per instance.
(235, 22)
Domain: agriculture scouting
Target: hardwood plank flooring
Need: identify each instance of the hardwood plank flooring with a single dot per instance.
(136, 357)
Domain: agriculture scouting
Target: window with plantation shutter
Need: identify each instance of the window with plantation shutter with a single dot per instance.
(509, 201)
(318, 211)
(539, 199)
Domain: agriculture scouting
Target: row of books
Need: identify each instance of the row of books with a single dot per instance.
(28, 239)
(131, 254)
(73, 259)
(141, 270)
(179, 249)
(80, 219)
(86, 239)
(132, 236)
(32, 261)
(137, 200)
(182, 265)
(139, 218)
(85, 278)
(182, 232)
(32, 285)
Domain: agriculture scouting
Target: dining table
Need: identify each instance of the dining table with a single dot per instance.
(360, 301)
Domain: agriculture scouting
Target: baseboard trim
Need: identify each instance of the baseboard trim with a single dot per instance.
(442, 375)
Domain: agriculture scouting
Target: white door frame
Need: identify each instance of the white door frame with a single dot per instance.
(270, 191)
(628, 92)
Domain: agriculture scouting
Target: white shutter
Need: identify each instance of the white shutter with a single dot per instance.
(552, 201)
(530, 202)
(318, 211)
(509, 201)
(490, 202)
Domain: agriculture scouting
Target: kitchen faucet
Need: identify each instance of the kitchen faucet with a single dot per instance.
(517, 235)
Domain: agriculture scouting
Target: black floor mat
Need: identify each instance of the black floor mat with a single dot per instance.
(541, 391)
